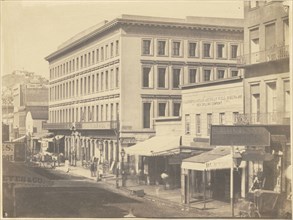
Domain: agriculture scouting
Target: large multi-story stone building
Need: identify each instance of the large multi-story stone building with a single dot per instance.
(133, 67)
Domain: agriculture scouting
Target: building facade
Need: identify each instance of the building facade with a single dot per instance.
(267, 92)
(131, 67)
(217, 102)
(27, 97)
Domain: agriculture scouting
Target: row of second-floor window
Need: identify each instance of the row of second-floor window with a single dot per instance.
(200, 124)
(195, 49)
(272, 98)
(90, 113)
(91, 83)
(164, 77)
(150, 110)
(89, 58)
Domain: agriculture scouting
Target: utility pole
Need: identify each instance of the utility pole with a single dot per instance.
(117, 131)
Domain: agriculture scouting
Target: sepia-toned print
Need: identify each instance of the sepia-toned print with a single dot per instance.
(146, 109)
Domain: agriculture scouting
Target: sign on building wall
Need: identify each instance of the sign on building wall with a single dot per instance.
(216, 98)
(8, 151)
(239, 135)
(14, 151)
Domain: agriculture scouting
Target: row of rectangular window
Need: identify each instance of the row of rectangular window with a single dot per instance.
(85, 60)
(177, 49)
(194, 76)
(210, 121)
(255, 4)
(162, 111)
(94, 113)
(97, 82)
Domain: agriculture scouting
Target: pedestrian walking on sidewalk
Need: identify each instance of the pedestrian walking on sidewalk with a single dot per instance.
(92, 167)
(95, 166)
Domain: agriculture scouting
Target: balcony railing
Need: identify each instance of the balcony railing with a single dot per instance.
(263, 118)
(275, 53)
(102, 125)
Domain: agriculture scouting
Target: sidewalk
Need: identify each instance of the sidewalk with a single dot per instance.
(156, 193)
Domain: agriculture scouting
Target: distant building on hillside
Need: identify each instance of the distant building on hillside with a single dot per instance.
(26, 98)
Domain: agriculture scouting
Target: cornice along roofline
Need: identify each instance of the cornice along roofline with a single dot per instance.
(137, 20)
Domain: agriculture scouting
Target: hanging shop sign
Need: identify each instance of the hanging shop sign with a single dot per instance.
(256, 155)
(128, 140)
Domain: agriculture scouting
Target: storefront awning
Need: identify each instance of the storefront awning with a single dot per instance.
(218, 158)
(21, 139)
(156, 146)
(37, 136)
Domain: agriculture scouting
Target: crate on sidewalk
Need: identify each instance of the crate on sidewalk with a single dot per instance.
(138, 192)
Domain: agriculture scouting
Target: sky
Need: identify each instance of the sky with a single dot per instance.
(31, 30)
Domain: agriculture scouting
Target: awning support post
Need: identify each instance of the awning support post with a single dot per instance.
(204, 189)
(232, 182)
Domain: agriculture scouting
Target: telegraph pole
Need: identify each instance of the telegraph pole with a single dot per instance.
(117, 131)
